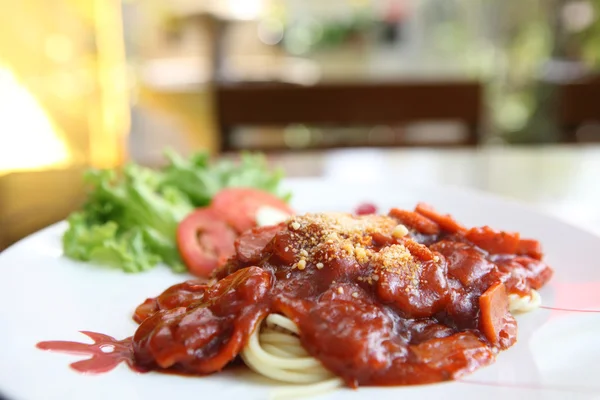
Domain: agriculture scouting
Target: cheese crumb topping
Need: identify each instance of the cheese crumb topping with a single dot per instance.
(319, 238)
(400, 231)
(396, 259)
(301, 264)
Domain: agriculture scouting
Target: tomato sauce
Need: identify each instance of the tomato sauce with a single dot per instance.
(107, 353)
(409, 298)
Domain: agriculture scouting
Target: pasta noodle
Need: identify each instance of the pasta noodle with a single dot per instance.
(523, 304)
(274, 350)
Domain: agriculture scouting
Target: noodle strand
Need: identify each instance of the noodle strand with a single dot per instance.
(274, 350)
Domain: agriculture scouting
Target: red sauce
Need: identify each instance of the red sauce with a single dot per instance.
(106, 351)
(375, 309)
(366, 209)
(569, 309)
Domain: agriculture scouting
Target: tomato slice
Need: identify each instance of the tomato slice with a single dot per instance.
(238, 206)
(204, 240)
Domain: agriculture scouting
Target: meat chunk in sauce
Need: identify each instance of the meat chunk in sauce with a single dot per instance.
(417, 289)
(205, 336)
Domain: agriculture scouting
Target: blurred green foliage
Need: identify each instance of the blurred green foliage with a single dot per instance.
(590, 38)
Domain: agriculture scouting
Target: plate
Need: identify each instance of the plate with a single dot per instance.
(45, 296)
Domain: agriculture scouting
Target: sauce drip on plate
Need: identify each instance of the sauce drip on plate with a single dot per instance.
(106, 351)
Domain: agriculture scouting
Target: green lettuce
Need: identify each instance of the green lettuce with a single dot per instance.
(130, 217)
(201, 180)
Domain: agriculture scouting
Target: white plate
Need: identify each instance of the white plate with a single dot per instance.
(44, 296)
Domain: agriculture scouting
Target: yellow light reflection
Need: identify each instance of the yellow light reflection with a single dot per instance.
(110, 125)
(28, 138)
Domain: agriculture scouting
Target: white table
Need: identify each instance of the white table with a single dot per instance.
(561, 180)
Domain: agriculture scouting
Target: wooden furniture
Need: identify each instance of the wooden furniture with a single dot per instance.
(578, 104)
(276, 104)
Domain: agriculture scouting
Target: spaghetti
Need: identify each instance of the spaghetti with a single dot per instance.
(274, 350)
(523, 304)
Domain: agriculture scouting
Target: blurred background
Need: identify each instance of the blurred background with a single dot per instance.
(102, 82)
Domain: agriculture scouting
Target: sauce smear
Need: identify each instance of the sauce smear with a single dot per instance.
(106, 351)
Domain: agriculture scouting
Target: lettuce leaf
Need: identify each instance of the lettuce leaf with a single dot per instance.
(129, 220)
(100, 243)
(201, 181)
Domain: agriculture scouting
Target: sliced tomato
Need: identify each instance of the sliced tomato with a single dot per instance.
(204, 240)
(238, 206)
